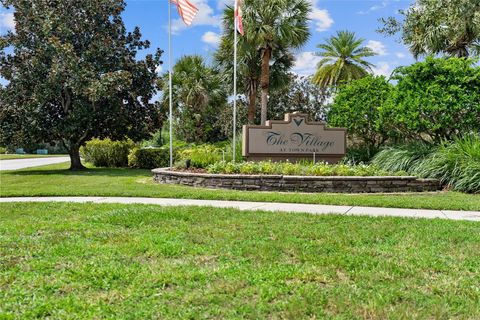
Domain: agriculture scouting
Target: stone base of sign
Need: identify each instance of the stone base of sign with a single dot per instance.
(297, 183)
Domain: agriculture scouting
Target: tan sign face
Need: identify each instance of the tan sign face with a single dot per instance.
(294, 137)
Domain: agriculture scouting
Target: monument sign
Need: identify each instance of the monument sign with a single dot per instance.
(294, 139)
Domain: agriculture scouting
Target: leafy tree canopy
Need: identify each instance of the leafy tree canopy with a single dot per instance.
(299, 94)
(73, 75)
(429, 27)
(357, 107)
(435, 100)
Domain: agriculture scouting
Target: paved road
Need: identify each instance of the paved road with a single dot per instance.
(28, 163)
(265, 206)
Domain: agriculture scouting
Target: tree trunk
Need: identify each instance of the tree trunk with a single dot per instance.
(265, 82)
(252, 101)
(75, 162)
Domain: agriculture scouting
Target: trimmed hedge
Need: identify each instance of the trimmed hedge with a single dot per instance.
(149, 158)
(107, 153)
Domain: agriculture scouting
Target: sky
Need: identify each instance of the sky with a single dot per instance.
(327, 17)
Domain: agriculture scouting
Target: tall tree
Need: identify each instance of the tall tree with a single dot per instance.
(248, 67)
(343, 60)
(301, 95)
(73, 75)
(199, 96)
(272, 25)
(430, 27)
(250, 63)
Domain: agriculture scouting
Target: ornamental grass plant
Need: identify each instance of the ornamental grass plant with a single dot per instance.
(455, 163)
(403, 158)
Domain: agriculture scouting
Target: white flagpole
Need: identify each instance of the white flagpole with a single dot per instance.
(170, 80)
(235, 81)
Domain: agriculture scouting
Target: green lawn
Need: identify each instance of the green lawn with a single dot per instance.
(28, 156)
(84, 261)
(55, 180)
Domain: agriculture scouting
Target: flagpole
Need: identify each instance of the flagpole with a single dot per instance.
(170, 81)
(235, 81)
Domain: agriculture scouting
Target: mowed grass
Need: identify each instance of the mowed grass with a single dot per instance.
(56, 180)
(85, 261)
(28, 156)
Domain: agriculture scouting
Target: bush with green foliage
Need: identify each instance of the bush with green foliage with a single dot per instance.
(3, 150)
(207, 154)
(358, 153)
(298, 169)
(149, 158)
(434, 100)
(203, 156)
(156, 141)
(357, 108)
(107, 153)
(456, 164)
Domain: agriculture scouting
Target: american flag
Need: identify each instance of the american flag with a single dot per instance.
(186, 10)
(239, 18)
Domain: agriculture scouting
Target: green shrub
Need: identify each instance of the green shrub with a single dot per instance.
(149, 158)
(359, 154)
(356, 107)
(107, 153)
(207, 154)
(456, 164)
(3, 150)
(300, 169)
(201, 156)
(437, 98)
(403, 158)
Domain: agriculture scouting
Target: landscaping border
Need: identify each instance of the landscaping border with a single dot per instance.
(388, 184)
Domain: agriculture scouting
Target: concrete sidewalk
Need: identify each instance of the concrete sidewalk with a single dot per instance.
(16, 164)
(265, 206)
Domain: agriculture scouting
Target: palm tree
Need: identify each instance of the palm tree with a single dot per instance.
(198, 97)
(274, 25)
(249, 64)
(342, 60)
(450, 27)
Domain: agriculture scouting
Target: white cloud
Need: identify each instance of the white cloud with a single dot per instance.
(306, 63)
(205, 17)
(222, 3)
(159, 69)
(376, 7)
(211, 38)
(382, 68)
(377, 47)
(320, 17)
(7, 21)
(400, 55)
